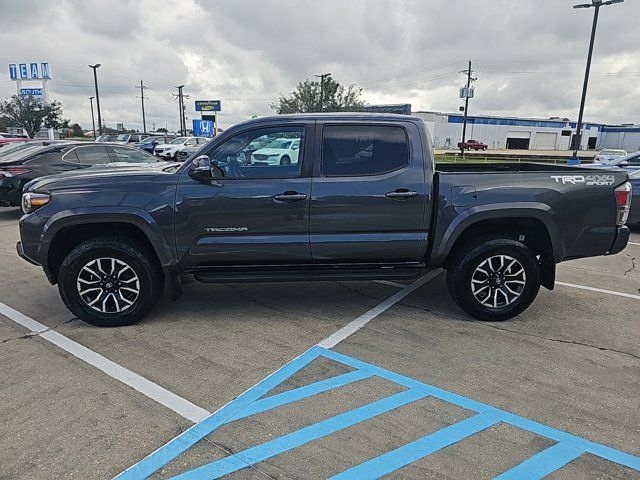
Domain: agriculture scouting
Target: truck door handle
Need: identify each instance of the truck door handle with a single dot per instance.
(290, 197)
(401, 193)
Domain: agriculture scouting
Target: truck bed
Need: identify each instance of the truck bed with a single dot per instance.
(495, 167)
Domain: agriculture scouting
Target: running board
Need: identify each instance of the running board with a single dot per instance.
(308, 273)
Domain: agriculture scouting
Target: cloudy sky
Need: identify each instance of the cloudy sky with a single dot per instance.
(528, 55)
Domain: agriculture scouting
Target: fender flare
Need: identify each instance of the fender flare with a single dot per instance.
(498, 211)
(130, 215)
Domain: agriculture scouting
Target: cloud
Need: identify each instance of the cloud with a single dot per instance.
(528, 56)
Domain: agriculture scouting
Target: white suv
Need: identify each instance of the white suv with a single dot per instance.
(171, 149)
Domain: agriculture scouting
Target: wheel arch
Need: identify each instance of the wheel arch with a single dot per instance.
(62, 234)
(535, 227)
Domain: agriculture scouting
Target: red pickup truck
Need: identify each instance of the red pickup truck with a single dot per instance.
(472, 145)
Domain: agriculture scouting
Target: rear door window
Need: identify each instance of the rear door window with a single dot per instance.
(358, 150)
(92, 155)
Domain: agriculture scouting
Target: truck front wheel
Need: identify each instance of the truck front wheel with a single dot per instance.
(110, 281)
(494, 279)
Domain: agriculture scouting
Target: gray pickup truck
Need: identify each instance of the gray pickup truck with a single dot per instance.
(318, 197)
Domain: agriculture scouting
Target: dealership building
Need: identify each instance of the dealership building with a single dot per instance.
(518, 132)
(509, 132)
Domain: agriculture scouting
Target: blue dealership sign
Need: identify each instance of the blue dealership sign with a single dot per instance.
(203, 128)
(31, 71)
(34, 92)
(207, 105)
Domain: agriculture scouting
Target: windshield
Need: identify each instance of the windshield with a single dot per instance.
(280, 143)
(149, 139)
(179, 140)
(122, 138)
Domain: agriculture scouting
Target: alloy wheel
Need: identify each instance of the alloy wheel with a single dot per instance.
(498, 281)
(108, 285)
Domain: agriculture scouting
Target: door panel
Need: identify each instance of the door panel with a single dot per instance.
(363, 217)
(240, 222)
(257, 214)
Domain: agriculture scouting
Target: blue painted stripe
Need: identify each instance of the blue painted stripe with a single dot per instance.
(259, 453)
(300, 393)
(190, 437)
(594, 448)
(400, 457)
(543, 463)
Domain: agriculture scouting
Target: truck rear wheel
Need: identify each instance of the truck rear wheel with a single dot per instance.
(110, 282)
(494, 279)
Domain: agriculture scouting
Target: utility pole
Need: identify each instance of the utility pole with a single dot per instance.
(142, 88)
(93, 120)
(95, 81)
(577, 139)
(322, 77)
(180, 107)
(466, 93)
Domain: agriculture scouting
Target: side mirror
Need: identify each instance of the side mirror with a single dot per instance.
(624, 163)
(203, 170)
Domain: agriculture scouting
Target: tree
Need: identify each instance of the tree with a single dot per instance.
(77, 130)
(306, 98)
(32, 114)
(162, 130)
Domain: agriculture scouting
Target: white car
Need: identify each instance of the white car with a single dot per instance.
(171, 149)
(609, 154)
(281, 151)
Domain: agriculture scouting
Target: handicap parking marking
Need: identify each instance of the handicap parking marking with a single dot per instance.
(567, 447)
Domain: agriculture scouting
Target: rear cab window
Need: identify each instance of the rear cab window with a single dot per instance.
(360, 150)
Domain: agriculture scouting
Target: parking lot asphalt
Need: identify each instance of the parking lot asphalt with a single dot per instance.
(414, 372)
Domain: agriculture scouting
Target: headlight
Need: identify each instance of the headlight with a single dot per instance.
(32, 201)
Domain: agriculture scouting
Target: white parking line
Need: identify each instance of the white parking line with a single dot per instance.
(633, 243)
(599, 290)
(352, 327)
(161, 395)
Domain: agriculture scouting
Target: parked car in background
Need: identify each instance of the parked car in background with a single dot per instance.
(106, 138)
(131, 137)
(281, 151)
(170, 150)
(607, 155)
(50, 158)
(634, 214)
(631, 163)
(7, 141)
(151, 142)
(473, 145)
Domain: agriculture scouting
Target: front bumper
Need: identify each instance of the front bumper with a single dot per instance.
(22, 255)
(620, 243)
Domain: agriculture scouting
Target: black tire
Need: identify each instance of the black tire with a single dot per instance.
(467, 263)
(285, 160)
(150, 281)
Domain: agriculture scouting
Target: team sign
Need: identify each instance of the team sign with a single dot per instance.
(32, 71)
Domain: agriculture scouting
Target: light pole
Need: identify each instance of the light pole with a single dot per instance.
(93, 120)
(577, 139)
(322, 77)
(95, 81)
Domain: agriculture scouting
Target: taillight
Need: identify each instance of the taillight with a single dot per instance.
(623, 202)
(6, 172)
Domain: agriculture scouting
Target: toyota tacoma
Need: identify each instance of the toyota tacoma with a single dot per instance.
(364, 201)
